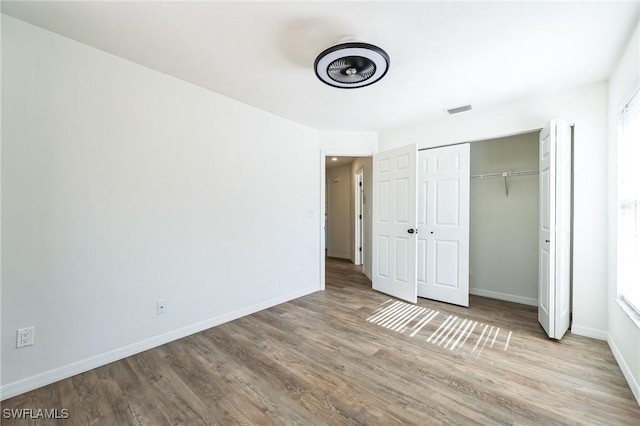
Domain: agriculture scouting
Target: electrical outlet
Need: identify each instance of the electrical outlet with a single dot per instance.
(161, 306)
(25, 337)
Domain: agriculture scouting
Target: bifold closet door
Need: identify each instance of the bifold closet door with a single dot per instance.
(443, 224)
(554, 258)
(394, 222)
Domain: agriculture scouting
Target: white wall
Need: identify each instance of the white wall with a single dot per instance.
(366, 164)
(503, 238)
(348, 143)
(121, 186)
(587, 108)
(338, 211)
(624, 334)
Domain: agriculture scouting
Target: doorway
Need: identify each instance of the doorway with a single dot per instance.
(346, 187)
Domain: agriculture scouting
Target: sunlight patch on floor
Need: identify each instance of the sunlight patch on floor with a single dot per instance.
(452, 332)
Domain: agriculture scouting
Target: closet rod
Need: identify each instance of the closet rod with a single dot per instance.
(505, 174)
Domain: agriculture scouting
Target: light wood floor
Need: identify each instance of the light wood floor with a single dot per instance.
(316, 360)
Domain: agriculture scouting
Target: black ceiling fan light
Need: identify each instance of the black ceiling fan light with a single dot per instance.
(351, 65)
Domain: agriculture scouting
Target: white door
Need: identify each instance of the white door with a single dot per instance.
(554, 260)
(443, 224)
(394, 223)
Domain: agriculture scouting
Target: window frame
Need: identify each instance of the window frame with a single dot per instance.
(631, 102)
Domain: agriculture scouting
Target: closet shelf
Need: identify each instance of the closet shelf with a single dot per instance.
(505, 175)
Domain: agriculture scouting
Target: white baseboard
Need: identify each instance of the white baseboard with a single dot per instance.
(589, 332)
(27, 384)
(504, 296)
(367, 274)
(626, 371)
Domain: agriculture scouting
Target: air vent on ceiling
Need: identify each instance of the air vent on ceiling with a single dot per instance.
(458, 110)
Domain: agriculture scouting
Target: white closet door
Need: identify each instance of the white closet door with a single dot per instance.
(394, 223)
(554, 260)
(443, 224)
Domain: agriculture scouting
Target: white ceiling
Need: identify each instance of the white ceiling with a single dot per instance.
(443, 54)
(340, 161)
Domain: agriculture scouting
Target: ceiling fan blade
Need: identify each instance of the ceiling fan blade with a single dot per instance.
(368, 69)
(339, 65)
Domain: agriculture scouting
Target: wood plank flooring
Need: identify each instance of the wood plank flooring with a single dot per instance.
(316, 360)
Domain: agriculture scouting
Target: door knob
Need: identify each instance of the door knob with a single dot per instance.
(546, 241)
(411, 230)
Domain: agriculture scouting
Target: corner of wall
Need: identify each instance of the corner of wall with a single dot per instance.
(589, 332)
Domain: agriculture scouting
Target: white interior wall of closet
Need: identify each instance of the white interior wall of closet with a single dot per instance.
(503, 256)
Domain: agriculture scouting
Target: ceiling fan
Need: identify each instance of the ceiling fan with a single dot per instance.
(351, 64)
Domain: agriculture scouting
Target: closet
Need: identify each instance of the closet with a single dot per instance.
(491, 218)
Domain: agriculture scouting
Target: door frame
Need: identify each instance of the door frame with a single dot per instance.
(324, 153)
(358, 218)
